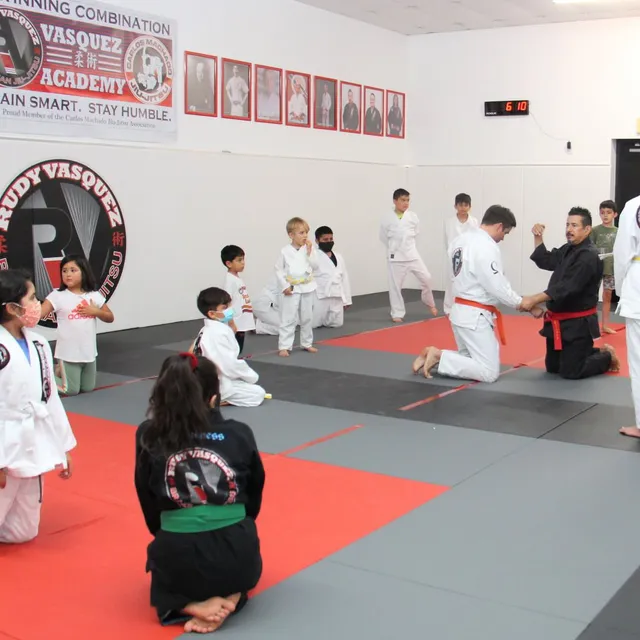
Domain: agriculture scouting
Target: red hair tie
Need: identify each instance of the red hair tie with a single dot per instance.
(192, 358)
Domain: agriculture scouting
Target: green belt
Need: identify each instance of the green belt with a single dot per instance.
(206, 517)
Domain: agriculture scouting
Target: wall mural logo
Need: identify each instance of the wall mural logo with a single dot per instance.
(20, 49)
(56, 208)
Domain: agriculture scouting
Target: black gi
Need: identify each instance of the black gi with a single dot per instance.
(573, 287)
(193, 567)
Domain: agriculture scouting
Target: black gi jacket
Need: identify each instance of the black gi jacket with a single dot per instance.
(223, 468)
(574, 286)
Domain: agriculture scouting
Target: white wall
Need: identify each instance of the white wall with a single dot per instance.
(182, 203)
(581, 79)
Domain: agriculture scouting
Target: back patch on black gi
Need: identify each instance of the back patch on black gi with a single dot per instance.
(5, 356)
(456, 261)
(638, 217)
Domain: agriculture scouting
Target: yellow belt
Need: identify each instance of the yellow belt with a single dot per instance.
(636, 259)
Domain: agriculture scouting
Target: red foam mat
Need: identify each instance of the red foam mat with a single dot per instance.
(84, 575)
(524, 344)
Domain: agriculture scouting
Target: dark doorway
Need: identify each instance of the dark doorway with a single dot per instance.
(627, 171)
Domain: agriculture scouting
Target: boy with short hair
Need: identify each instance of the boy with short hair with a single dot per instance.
(460, 223)
(294, 272)
(398, 232)
(603, 237)
(217, 343)
(233, 259)
(333, 294)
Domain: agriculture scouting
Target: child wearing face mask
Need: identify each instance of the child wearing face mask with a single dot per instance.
(217, 342)
(333, 293)
(78, 307)
(36, 436)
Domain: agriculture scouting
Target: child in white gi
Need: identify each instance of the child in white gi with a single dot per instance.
(233, 258)
(216, 342)
(294, 271)
(35, 434)
(333, 294)
(398, 232)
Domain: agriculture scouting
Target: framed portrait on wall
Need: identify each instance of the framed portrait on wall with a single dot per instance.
(200, 82)
(350, 107)
(268, 94)
(297, 99)
(325, 103)
(374, 114)
(396, 116)
(236, 89)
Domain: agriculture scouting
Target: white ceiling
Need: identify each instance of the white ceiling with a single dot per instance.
(414, 17)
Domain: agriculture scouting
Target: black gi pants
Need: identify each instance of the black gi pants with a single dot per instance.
(578, 359)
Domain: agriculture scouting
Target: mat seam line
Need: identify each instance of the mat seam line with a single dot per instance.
(453, 591)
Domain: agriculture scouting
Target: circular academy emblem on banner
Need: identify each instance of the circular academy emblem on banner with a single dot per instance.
(57, 208)
(20, 49)
(149, 70)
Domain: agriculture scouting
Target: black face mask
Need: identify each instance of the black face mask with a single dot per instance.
(325, 246)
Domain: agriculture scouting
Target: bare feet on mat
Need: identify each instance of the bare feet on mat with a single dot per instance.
(311, 349)
(208, 615)
(615, 361)
(433, 357)
(608, 330)
(283, 353)
(396, 320)
(418, 363)
(632, 432)
(434, 311)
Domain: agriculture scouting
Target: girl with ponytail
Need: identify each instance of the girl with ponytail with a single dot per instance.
(199, 480)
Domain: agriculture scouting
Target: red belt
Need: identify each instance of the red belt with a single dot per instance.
(556, 318)
(490, 309)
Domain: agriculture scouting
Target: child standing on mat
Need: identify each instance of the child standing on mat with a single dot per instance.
(199, 480)
(35, 436)
(233, 259)
(78, 305)
(217, 343)
(294, 272)
(398, 232)
(603, 237)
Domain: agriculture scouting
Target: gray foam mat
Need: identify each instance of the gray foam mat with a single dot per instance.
(521, 415)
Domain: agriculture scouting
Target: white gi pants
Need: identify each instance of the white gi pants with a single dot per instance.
(267, 318)
(20, 504)
(294, 307)
(448, 296)
(397, 272)
(633, 356)
(328, 312)
(478, 355)
(240, 393)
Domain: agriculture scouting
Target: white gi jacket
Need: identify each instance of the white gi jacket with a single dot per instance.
(476, 263)
(626, 270)
(294, 268)
(399, 236)
(332, 280)
(453, 228)
(35, 434)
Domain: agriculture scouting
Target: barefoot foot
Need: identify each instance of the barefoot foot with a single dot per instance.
(214, 610)
(283, 353)
(311, 349)
(433, 357)
(396, 320)
(608, 330)
(632, 432)
(615, 361)
(418, 363)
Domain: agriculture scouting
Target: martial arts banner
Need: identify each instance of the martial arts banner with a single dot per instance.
(80, 68)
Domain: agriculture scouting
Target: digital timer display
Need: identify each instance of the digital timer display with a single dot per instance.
(507, 108)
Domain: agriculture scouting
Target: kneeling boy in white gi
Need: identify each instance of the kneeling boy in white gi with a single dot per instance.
(217, 342)
(35, 434)
(266, 308)
(478, 286)
(333, 294)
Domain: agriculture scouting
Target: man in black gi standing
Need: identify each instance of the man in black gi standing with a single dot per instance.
(571, 321)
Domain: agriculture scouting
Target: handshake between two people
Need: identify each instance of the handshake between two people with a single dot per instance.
(530, 305)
